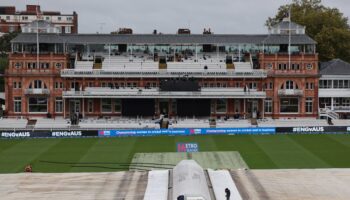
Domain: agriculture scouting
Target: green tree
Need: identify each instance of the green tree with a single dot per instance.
(5, 43)
(327, 26)
(5, 47)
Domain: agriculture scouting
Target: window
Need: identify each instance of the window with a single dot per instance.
(336, 84)
(308, 105)
(17, 104)
(268, 105)
(58, 65)
(47, 18)
(325, 102)
(18, 65)
(17, 85)
(58, 85)
(106, 105)
(282, 66)
(69, 18)
(221, 105)
(269, 65)
(309, 86)
(295, 66)
(325, 84)
(289, 85)
(309, 66)
(24, 17)
(117, 105)
(91, 84)
(7, 17)
(253, 85)
(59, 18)
(44, 65)
(346, 102)
(270, 85)
(90, 106)
(59, 105)
(68, 29)
(289, 105)
(31, 65)
(37, 105)
(37, 84)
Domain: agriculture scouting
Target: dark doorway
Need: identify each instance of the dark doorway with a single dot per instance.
(193, 107)
(138, 107)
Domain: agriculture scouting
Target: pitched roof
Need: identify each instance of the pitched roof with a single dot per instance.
(335, 67)
(285, 25)
(161, 39)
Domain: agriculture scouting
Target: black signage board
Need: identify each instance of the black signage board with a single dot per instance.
(313, 130)
(47, 134)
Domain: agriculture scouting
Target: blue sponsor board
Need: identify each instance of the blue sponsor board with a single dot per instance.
(188, 131)
(187, 147)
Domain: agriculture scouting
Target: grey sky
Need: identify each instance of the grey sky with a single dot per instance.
(143, 16)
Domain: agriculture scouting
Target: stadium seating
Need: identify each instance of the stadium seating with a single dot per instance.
(290, 122)
(13, 123)
(118, 123)
(232, 123)
(56, 123)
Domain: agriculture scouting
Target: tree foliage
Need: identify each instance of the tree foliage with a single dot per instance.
(5, 42)
(327, 26)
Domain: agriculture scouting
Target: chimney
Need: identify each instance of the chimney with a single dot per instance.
(207, 32)
(33, 8)
(184, 31)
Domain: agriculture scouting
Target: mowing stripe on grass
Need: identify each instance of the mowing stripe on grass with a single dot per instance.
(107, 154)
(15, 158)
(331, 151)
(281, 149)
(66, 151)
(5, 144)
(245, 145)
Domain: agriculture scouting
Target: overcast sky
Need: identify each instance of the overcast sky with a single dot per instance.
(143, 16)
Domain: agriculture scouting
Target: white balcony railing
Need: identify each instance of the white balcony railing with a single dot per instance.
(290, 92)
(204, 93)
(161, 73)
(37, 91)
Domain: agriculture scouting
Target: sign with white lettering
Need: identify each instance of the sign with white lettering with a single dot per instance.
(187, 147)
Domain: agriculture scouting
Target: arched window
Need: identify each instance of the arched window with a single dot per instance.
(289, 85)
(37, 84)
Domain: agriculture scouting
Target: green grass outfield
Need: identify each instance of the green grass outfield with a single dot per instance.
(114, 154)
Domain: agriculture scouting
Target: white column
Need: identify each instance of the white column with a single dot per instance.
(64, 108)
(196, 53)
(332, 103)
(83, 107)
(263, 109)
(109, 55)
(217, 51)
(244, 108)
(239, 52)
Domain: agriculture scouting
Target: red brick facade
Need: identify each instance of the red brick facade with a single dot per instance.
(303, 77)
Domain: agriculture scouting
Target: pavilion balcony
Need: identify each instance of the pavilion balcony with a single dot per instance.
(38, 91)
(204, 93)
(162, 73)
(290, 92)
